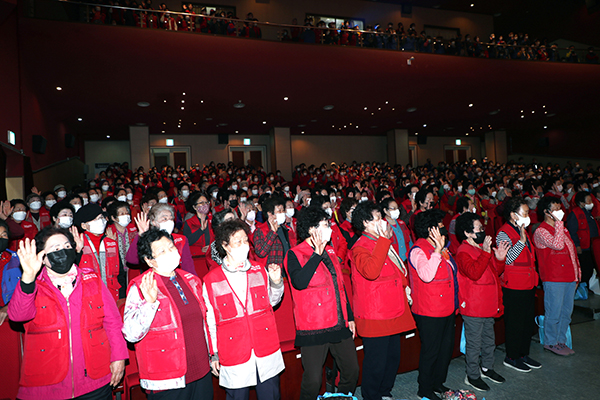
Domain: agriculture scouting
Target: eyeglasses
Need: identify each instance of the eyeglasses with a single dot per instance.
(202, 203)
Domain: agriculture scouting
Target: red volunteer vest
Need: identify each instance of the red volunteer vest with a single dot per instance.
(130, 229)
(481, 298)
(161, 353)
(435, 298)
(179, 241)
(46, 355)
(315, 308)
(521, 274)
(195, 224)
(583, 229)
(243, 325)
(89, 260)
(44, 218)
(556, 265)
(382, 298)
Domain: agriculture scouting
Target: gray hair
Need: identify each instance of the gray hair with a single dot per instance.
(158, 208)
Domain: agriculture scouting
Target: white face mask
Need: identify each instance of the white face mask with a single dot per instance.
(94, 198)
(85, 201)
(395, 214)
(332, 199)
(239, 254)
(326, 234)
(363, 199)
(494, 194)
(290, 212)
(167, 226)
(286, 189)
(164, 200)
(105, 188)
(124, 220)
(329, 212)
(76, 207)
(234, 187)
(97, 226)
(122, 198)
(65, 222)
(559, 214)
(19, 216)
(383, 224)
(589, 206)
(50, 203)
(35, 205)
(166, 263)
(136, 182)
(174, 176)
(251, 216)
(129, 196)
(243, 199)
(214, 195)
(460, 189)
(92, 184)
(523, 221)
(280, 218)
(255, 192)
(62, 194)
(446, 187)
(185, 194)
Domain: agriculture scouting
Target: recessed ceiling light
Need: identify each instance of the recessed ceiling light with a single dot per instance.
(545, 127)
(285, 98)
(533, 112)
(264, 122)
(416, 133)
(179, 126)
(471, 105)
(365, 108)
(237, 131)
(327, 108)
(183, 94)
(424, 125)
(344, 126)
(163, 131)
(393, 109)
(467, 134)
(411, 109)
(372, 113)
(108, 136)
(472, 5)
(164, 101)
(183, 101)
(386, 102)
(194, 123)
(522, 116)
(143, 104)
(333, 126)
(183, 108)
(521, 110)
(79, 119)
(543, 106)
(379, 108)
(58, 88)
(201, 101)
(239, 104)
(303, 132)
(357, 126)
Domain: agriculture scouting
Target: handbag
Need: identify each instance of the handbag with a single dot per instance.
(539, 321)
(595, 284)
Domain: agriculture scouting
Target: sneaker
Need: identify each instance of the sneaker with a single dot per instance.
(430, 396)
(567, 348)
(441, 389)
(478, 384)
(492, 376)
(531, 363)
(556, 349)
(517, 365)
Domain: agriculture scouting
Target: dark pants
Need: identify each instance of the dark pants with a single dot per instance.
(198, 390)
(103, 393)
(267, 390)
(586, 261)
(437, 343)
(313, 358)
(519, 314)
(380, 366)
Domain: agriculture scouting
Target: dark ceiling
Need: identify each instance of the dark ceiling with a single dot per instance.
(105, 71)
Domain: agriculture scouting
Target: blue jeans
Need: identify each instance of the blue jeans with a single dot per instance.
(558, 305)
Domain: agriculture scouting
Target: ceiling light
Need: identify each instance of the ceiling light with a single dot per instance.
(183, 108)
(344, 126)
(285, 98)
(164, 123)
(201, 101)
(545, 127)
(239, 104)
(303, 132)
(467, 134)
(108, 136)
(522, 116)
(543, 106)
(472, 5)
(533, 112)
(223, 124)
(327, 108)
(365, 108)
(471, 105)
(313, 120)
(58, 88)
(170, 142)
(264, 122)
(416, 133)
(356, 126)
(79, 119)
(164, 101)
(458, 142)
(393, 109)
(183, 94)
(350, 123)
(163, 131)
(237, 131)
(194, 123)
(494, 112)
(412, 109)
(143, 104)
(386, 102)
(183, 101)
(372, 113)
(521, 110)
(424, 125)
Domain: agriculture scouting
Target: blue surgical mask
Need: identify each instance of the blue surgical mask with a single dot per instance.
(471, 191)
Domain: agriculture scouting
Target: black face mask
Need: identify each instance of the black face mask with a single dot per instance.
(62, 260)
(3, 244)
(233, 203)
(480, 237)
(444, 232)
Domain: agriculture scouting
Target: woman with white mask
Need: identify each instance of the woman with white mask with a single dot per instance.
(121, 229)
(197, 230)
(164, 310)
(239, 298)
(62, 215)
(162, 216)
(14, 213)
(100, 252)
(403, 241)
(37, 215)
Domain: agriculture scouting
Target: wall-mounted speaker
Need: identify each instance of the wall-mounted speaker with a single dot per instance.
(38, 144)
(421, 139)
(69, 141)
(223, 138)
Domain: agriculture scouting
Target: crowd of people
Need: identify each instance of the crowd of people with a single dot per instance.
(188, 263)
(515, 46)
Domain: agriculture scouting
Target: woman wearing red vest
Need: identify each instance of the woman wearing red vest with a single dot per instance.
(479, 296)
(121, 230)
(435, 300)
(337, 239)
(519, 282)
(583, 229)
(100, 252)
(391, 211)
(559, 272)
(197, 231)
(324, 319)
(37, 215)
(381, 300)
(73, 345)
(239, 298)
(164, 316)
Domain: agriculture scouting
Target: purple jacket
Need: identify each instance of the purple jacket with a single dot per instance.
(22, 308)
(187, 263)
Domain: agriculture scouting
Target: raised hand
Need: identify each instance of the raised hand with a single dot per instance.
(385, 232)
(487, 244)
(5, 209)
(273, 222)
(31, 263)
(438, 239)
(149, 288)
(523, 233)
(78, 238)
(501, 250)
(111, 234)
(243, 207)
(36, 191)
(142, 223)
(275, 273)
(317, 241)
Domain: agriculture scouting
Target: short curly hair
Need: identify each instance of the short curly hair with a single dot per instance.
(112, 210)
(347, 205)
(545, 204)
(309, 217)
(226, 230)
(363, 213)
(427, 220)
(462, 204)
(465, 223)
(512, 205)
(144, 245)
